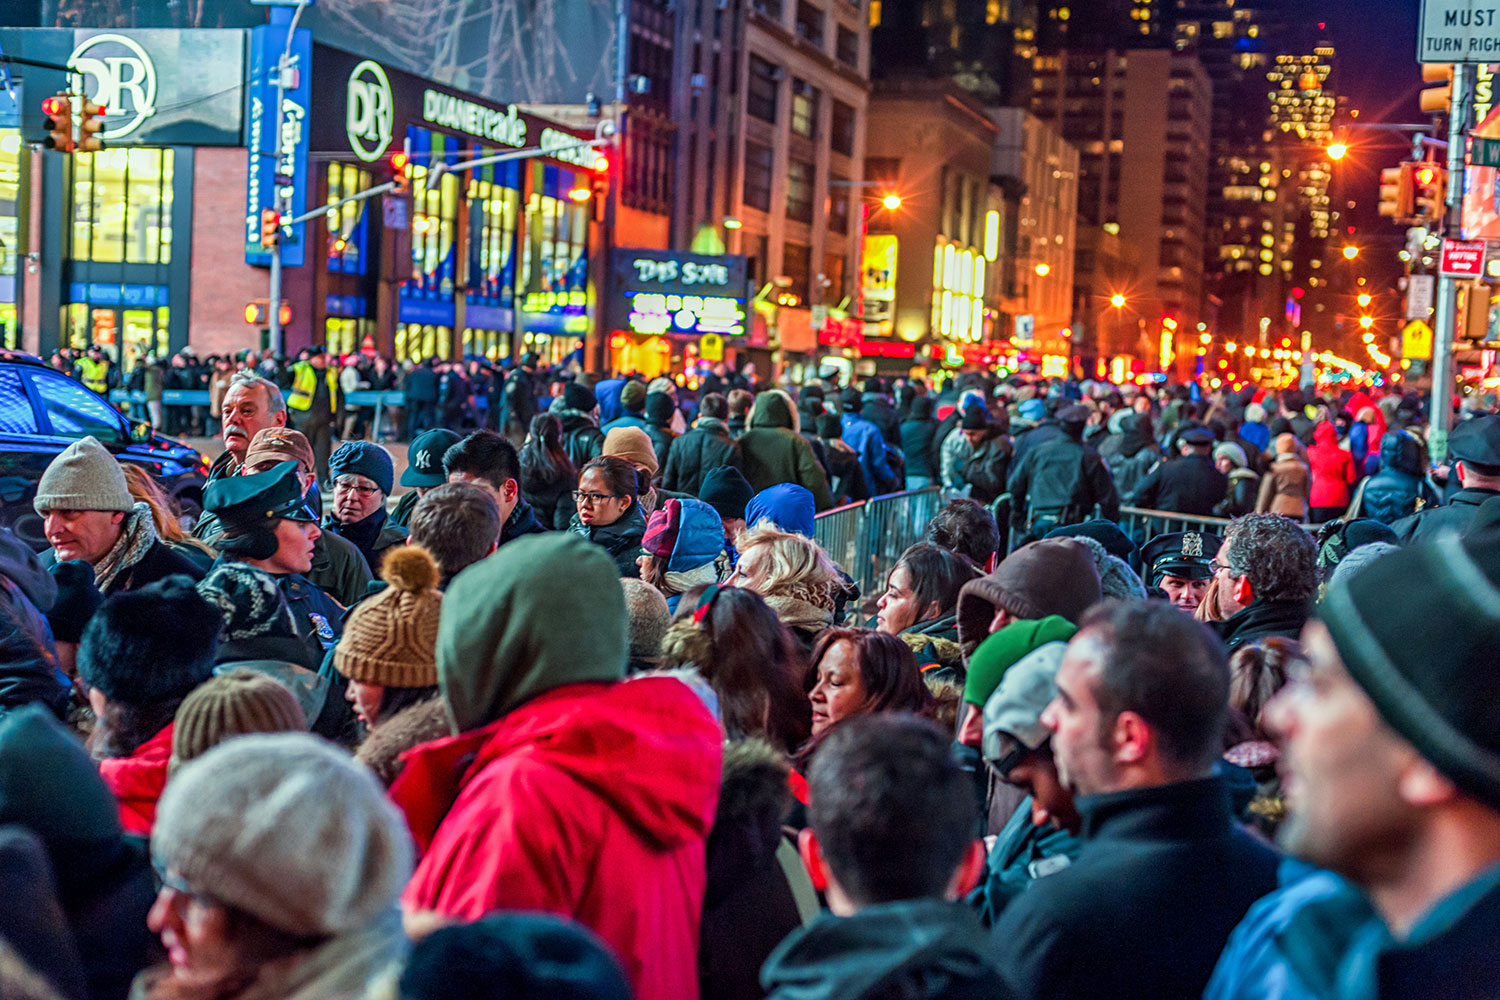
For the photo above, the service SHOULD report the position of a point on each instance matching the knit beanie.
(659, 407)
(1426, 654)
(649, 617)
(633, 396)
(1003, 649)
(287, 828)
(364, 458)
(249, 600)
(829, 426)
(151, 645)
(389, 639)
(78, 598)
(975, 418)
(633, 445)
(519, 956)
(1053, 576)
(84, 476)
(577, 396)
(238, 703)
(727, 491)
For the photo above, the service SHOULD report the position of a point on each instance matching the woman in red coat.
(1333, 475)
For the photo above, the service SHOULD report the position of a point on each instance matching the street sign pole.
(1445, 324)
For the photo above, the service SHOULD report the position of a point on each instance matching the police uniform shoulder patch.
(321, 626)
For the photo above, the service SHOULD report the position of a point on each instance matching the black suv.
(42, 411)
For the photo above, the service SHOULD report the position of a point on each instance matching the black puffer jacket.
(622, 540)
(919, 439)
(581, 437)
(1394, 491)
(703, 449)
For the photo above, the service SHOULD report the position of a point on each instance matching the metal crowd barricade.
(866, 538)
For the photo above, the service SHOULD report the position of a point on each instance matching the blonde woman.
(164, 514)
(794, 576)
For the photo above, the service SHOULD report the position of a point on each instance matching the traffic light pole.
(1446, 319)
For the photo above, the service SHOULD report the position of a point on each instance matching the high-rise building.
(1140, 120)
(984, 46)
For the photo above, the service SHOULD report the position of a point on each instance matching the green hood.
(773, 408)
(544, 611)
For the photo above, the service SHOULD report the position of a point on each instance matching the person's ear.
(280, 418)
(969, 871)
(1421, 784)
(510, 491)
(812, 858)
(118, 517)
(932, 610)
(1132, 738)
(1243, 592)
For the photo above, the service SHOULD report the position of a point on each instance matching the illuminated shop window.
(122, 206)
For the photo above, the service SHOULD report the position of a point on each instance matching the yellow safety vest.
(305, 384)
(94, 374)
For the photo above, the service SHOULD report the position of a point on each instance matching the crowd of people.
(587, 710)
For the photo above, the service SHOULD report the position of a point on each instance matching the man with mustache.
(250, 404)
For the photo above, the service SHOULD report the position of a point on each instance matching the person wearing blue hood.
(869, 444)
(788, 506)
(683, 548)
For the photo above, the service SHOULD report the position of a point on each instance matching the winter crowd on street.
(574, 704)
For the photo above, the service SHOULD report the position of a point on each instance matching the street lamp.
(1043, 270)
(1364, 299)
(1351, 251)
(1367, 321)
(891, 201)
(1117, 300)
(1338, 150)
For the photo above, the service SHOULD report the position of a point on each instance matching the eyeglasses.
(591, 498)
(353, 486)
(170, 878)
(1217, 567)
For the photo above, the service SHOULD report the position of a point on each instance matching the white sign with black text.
(1459, 31)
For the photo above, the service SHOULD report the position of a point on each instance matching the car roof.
(20, 357)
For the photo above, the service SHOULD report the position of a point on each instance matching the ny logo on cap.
(424, 460)
(1192, 544)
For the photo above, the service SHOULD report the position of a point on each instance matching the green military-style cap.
(244, 502)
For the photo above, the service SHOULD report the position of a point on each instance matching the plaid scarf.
(135, 541)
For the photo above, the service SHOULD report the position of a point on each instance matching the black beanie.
(577, 396)
(975, 418)
(77, 600)
(151, 645)
(659, 407)
(518, 956)
(851, 399)
(830, 426)
(727, 491)
(1426, 654)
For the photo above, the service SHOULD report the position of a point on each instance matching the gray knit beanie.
(84, 477)
(249, 600)
(287, 828)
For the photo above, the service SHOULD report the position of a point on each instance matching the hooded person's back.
(1392, 492)
(103, 883)
(772, 451)
(567, 790)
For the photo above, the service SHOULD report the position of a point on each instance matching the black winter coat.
(1455, 515)
(704, 448)
(581, 437)
(1164, 876)
(919, 445)
(622, 540)
(1263, 620)
(1061, 475)
(662, 442)
(1188, 484)
(159, 562)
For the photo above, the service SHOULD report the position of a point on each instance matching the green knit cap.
(1002, 649)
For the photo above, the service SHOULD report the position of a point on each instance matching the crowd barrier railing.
(867, 537)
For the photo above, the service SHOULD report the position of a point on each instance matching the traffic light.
(1398, 191)
(270, 228)
(59, 111)
(400, 173)
(1431, 186)
(1435, 100)
(258, 313)
(603, 165)
(90, 124)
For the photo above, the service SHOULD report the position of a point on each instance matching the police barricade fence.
(867, 537)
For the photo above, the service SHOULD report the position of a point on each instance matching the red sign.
(887, 349)
(1463, 259)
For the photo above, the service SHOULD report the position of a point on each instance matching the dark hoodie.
(28, 662)
(918, 444)
(772, 451)
(1394, 491)
(913, 948)
(104, 884)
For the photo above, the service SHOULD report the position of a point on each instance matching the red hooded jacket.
(591, 801)
(138, 780)
(1332, 469)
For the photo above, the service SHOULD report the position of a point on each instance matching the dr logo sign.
(120, 76)
(369, 111)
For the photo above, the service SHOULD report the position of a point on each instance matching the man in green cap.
(423, 472)
(268, 524)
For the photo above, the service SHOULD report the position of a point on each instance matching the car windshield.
(74, 411)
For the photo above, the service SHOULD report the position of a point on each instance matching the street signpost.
(1459, 31)
(1462, 259)
(1420, 290)
(1416, 341)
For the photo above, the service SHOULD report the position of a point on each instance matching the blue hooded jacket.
(607, 392)
(789, 506)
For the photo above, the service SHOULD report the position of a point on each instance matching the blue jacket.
(607, 392)
(789, 506)
(869, 444)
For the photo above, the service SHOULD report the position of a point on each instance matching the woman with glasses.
(363, 475)
(609, 512)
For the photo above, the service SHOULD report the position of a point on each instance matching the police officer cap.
(1183, 554)
(244, 502)
(1197, 436)
(1477, 441)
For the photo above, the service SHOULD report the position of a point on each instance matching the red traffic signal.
(270, 228)
(400, 173)
(59, 124)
